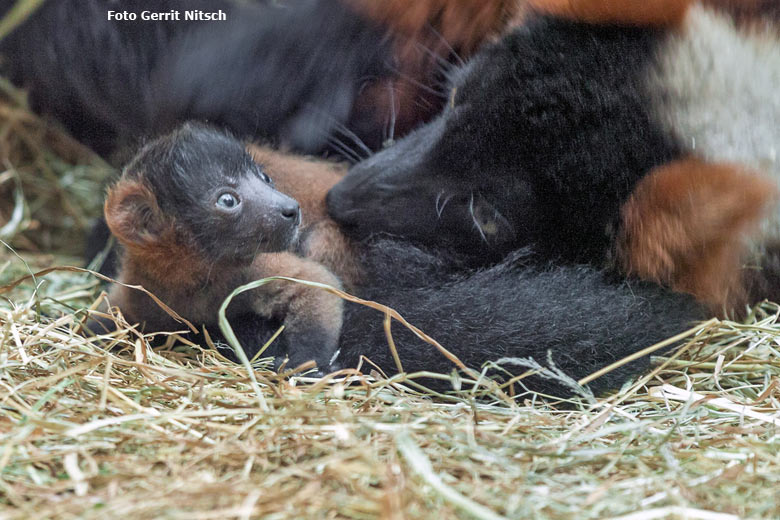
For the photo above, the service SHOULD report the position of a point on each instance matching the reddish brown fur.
(685, 226)
(632, 12)
(308, 181)
(291, 299)
(157, 256)
(425, 31)
(464, 24)
(124, 200)
(150, 243)
(750, 12)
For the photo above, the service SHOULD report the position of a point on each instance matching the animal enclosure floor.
(110, 428)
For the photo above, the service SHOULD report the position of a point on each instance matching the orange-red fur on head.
(132, 214)
(464, 24)
(629, 12)
(425, 33)
(685, 226)
(150, 239)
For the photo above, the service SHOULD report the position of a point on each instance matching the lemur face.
(544, 135)
(249, 207)
(423, 189)
(233, 209)
(456, 182)
(460, 182)
(219, 199)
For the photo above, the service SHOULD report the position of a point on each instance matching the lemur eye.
(227, 200)
(265, 178)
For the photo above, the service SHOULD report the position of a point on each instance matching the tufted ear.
(625, 12)
(687, 224)
(132, 214)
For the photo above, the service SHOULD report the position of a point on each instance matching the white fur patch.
(718, 90)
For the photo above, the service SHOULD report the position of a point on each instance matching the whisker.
(440, 209)
(390, 129)
(425, 104)
(364, 82)
(448, 72)
(346, 132)
(417, 83)
(341, 128)
(208, 274)
(474, 219)
(257, 248)
(353, 212)
(440, 61)
(353, 155)
(445, 42)
(347, 152)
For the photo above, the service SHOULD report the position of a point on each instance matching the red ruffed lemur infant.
(197, 217)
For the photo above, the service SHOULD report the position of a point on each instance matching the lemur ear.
(687, 225)
(132, 213)
(625, 12)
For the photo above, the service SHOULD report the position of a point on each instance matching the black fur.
(288, 74)
(579, 317)
(763, 280)
(188, 168)
(283, 72)
(92, 74)
(582, 317)
(546, 135)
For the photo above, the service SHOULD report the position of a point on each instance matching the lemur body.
(549, 132)
(582, 110)
(314, 76)
(197, 218)
(176, 246)
(713, 89)
(503, 311)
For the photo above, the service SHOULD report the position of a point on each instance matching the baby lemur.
(196, 218)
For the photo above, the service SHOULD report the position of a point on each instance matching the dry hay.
(110, 428)
(49, 183)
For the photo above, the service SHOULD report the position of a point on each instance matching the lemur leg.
(686, 226)
(312, 317)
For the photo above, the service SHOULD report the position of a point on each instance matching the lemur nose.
(292, 211)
